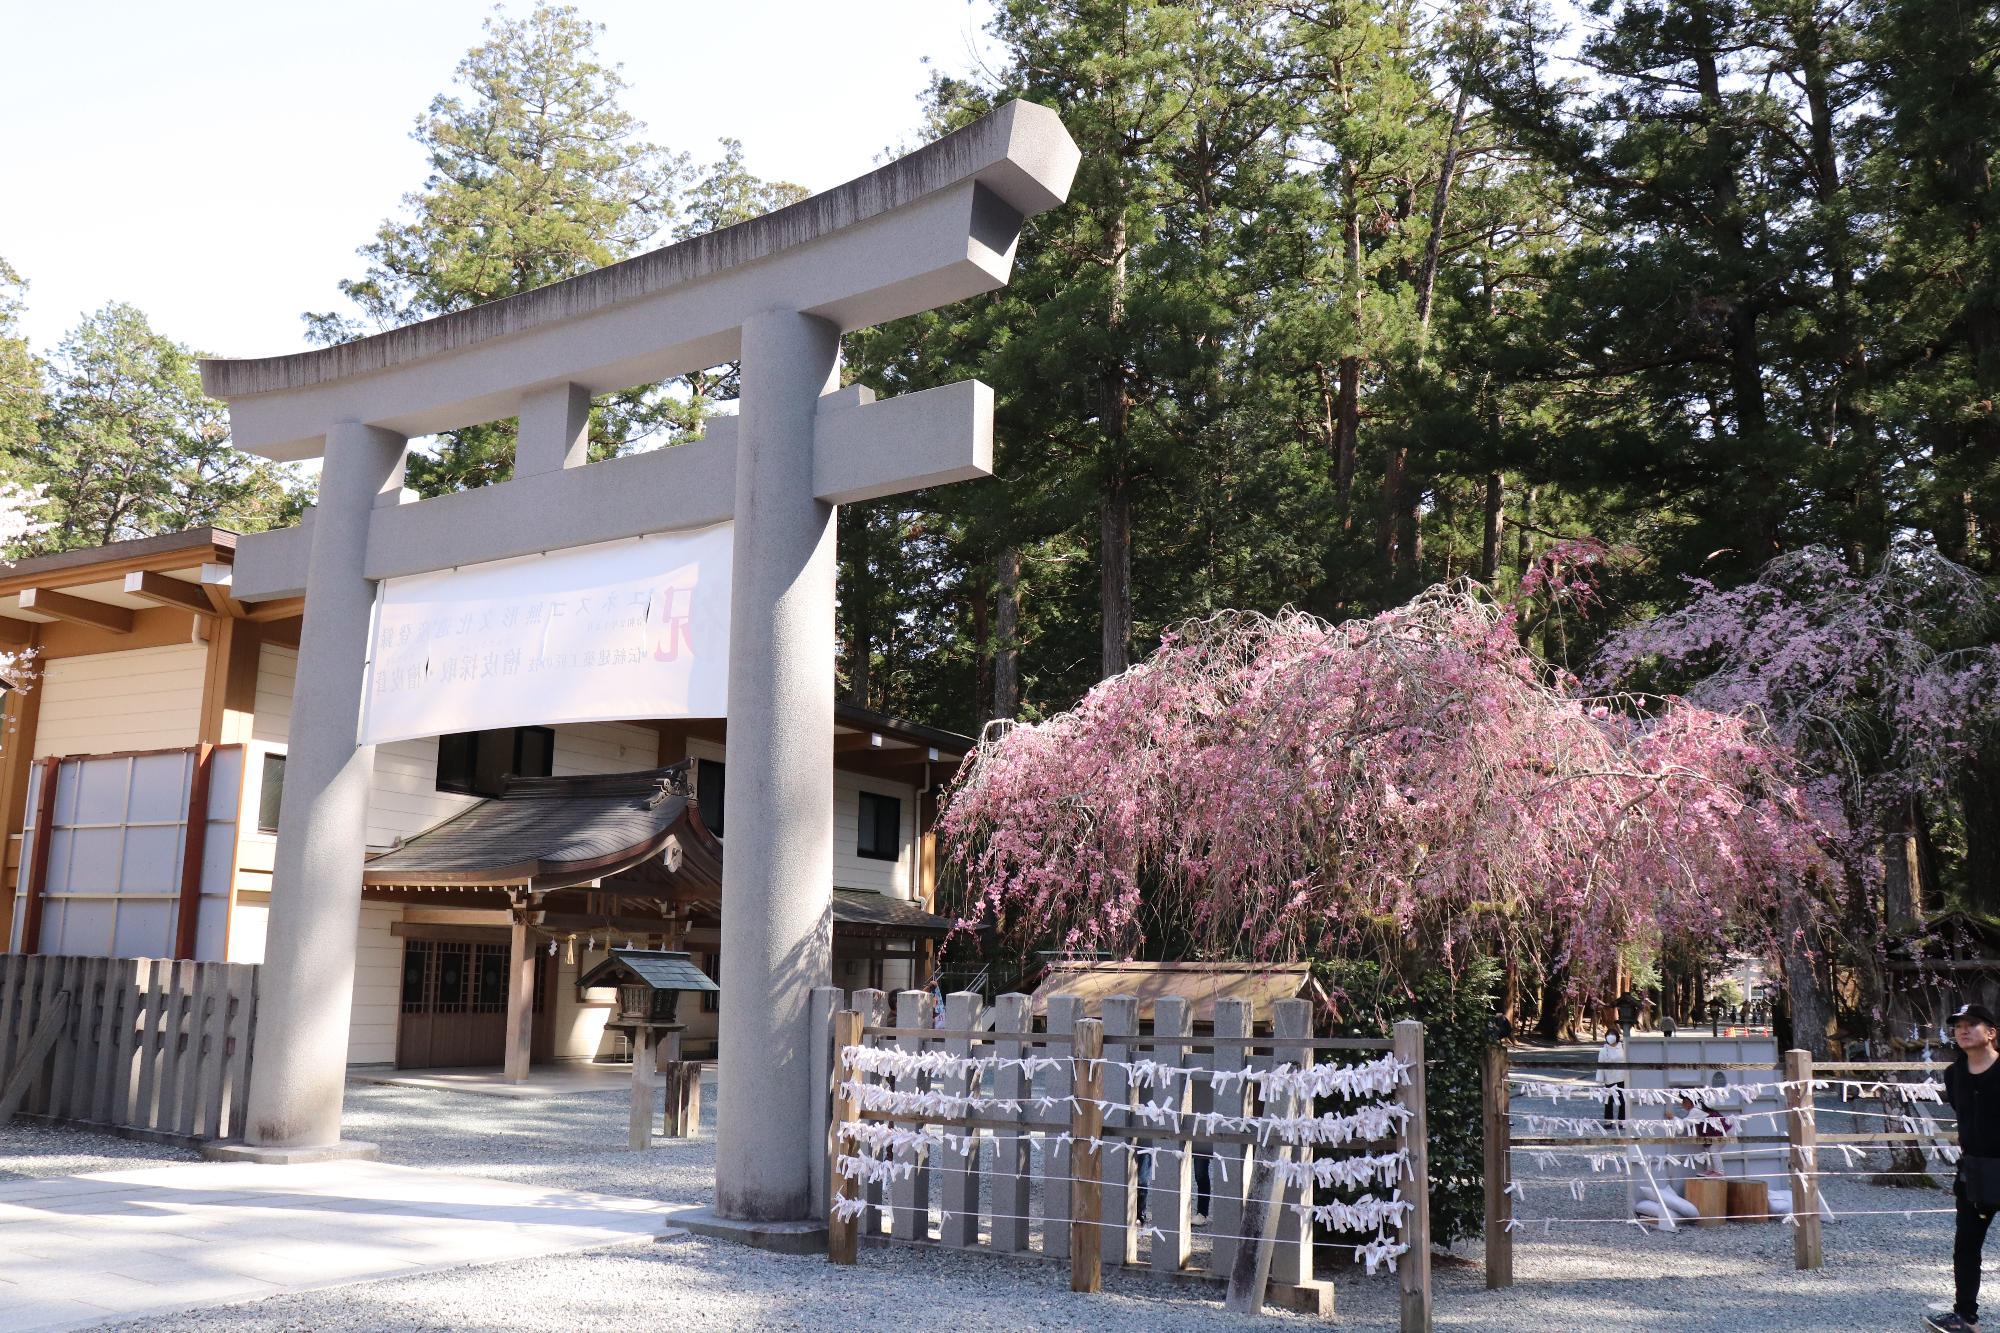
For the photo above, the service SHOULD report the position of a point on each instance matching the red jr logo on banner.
(677, 609)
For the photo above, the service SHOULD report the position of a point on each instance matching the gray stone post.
(777, 878)
(306, 988)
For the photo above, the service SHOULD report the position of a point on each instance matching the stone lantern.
(650, 983)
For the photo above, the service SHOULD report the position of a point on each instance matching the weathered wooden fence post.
(1292, 1262)
(873, 1006)
(843, 1231)
(1167, 1201)
(1264, 1202)
(1011, 1158)
(1118, 1237)
(910, 1193)
(1055, 1084)
(1414, 1268)
(1230, 1160)
(826, 1002)
(1499, 1168)
(1807, 1251)
(1086, 1156)
(959, 1179)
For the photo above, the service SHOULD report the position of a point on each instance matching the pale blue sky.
(216, 162)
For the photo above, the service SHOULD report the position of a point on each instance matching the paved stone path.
(80, 1250)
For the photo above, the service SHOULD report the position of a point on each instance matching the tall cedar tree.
(537, 174)
(130, 447)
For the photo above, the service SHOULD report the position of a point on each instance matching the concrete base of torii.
(780, 1237)
(346, 1150)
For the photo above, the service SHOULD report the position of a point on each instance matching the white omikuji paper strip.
(914, 1144)
(1365, 1124)
(1557, 1090)
(600, 633)
(1373, 1078)
(1359, 1215)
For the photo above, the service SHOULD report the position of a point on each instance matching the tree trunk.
(1744, 353)
(982, 671)
(1440, 198)
(860, 606)
(1555, 1008)
(1806, 1004)
(1006, 636)
(1349, 416)
(1979, 809)
(1489, 548)
(1114, 590)
(1902, 868)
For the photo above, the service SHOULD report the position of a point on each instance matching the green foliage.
(538, 173)
(130, 447)
(21, 404)
(1456, 1009)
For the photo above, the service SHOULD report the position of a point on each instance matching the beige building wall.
(378, 976)
(137, 699)
(851, 870)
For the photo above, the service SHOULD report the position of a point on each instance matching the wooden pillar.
(1414, 1268)
(194, 851)
(1499, 1203)
(1086, 1160)
(521, 996)
(1807, 1251)
(38, 854)
(229, 689)
(843, 1233)
(645, 1089)
(672, 746)
(17, 747)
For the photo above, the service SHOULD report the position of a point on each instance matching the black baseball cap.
(1974, 1013)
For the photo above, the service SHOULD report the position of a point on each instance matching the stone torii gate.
(777, 292)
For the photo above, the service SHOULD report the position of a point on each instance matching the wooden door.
(454, 1008)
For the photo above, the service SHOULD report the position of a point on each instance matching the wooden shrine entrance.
(453, 1012)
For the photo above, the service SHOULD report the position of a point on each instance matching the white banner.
(632, 629)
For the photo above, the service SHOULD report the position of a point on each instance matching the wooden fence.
(149, 1046)
(1792, 1133)
(1032, 1136)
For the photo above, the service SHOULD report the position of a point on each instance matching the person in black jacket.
(1972, 1086)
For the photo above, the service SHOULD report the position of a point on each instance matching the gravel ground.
(34, 1152)
(1881, 1272)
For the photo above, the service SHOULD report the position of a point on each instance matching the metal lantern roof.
(657, 969)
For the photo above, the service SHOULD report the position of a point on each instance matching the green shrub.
(1456, 1012)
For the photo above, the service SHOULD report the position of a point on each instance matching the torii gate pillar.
(936, 226)
(777, 878)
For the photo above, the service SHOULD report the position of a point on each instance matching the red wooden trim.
(193, 849)
(38, 859)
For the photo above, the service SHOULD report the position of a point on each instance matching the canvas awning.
(1201, 984)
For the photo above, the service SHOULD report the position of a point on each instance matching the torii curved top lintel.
(934, 226)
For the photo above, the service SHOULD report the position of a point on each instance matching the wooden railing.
(154, 1047)
(1058, 1144)
(1795, 1134)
